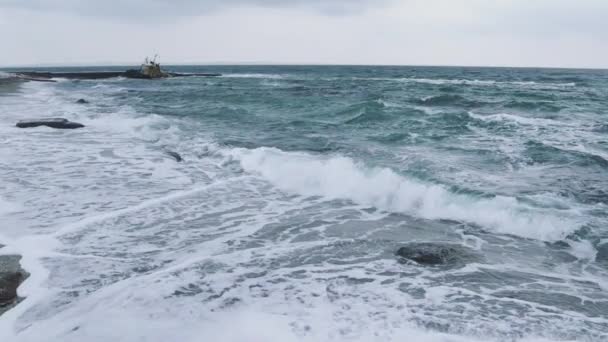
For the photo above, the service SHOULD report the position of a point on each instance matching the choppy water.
(297, 187)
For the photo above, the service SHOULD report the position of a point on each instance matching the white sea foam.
(254, 75)
(113, 203)
(5, 74)
(529, 84)
(471, 82)
(583, 250)
(505, 117)
(595, 151)
(7, 207)
(449, 81)
(121, 324)
(343, 178)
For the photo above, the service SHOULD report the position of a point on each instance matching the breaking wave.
(342, 178)
(448, 100)
(528, 84)
(504, 117)
(263, 76)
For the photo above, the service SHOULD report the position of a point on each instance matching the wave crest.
(342, 178)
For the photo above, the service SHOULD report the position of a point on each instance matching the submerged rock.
(435, 254)
(82, 101)
(175, 155)
(11, 276)
(60, 123)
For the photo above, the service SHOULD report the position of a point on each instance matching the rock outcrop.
(175, 155)
(437, 254)
(11, 276)
(59, 123)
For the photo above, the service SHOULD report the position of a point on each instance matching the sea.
(297, 188)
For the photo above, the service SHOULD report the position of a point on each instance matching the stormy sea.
(309, 203)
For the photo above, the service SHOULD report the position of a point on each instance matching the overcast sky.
(552, 33)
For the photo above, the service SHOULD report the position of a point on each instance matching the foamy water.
(282, 222)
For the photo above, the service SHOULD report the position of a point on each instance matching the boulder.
(175, 155)
(437, 254)
(60, 123)
(82, 101)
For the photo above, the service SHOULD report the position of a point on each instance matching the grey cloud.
(551, 18)
(160, 8)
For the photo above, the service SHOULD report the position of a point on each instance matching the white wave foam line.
(514, 118)
(152, 202)
(266, 76)
(448, 81)
(342, 178)
(440, 81)
(126, 121)
(6, 75)
(587, 150)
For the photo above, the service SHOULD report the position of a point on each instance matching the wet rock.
(59, 123)
(11, 276)
(436, 254)
(82, 101)
(175, 155)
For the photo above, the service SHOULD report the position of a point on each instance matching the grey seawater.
(297, 188)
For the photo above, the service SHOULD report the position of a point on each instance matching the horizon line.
(253, 63)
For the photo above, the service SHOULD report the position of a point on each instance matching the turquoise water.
(298, 185)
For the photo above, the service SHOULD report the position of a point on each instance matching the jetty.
(150, 69)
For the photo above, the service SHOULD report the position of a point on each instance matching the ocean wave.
(548, 153)
(9, 79)
(391, 138)
(369, 111)
(342, 178)
(546, 106)
(6, 74)
(439, 81)
(504, 117)
(10, 85)
(471, 82)
(531, 84)
(263, 76)
(448, 100)
(600, 128)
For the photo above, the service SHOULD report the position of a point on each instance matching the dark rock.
(71, 75)
(8, 287)
(11, 276)
(82, 101)
(435, 254)
(50, 122)
(175, 155)
(135, 73)
(94, 75)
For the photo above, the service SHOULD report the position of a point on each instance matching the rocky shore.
(11, 276)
